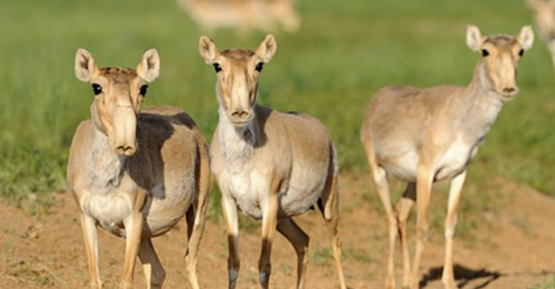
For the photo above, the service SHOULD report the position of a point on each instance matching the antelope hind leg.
(379, 175)
(329, 207)
(403, 210)
(299, 239)
(152, 268)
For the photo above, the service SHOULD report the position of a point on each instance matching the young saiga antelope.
(426, 135)
(136, 172)
(270, 165)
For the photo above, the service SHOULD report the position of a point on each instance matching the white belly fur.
(251, 191)
(453, 161)
(110, 210)
(449, 164)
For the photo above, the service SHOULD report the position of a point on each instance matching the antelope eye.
(259, 66)
(521, 52)
(217, 67)
(485, 53)
(97, 89)
(143, 90)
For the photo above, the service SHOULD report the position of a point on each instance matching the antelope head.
(237, 72)
(118, 94)
(501, 56)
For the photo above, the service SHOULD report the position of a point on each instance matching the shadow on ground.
(463, 275)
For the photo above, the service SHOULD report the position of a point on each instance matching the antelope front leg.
(269, 227)
(90, 235)
(423, 192)
(455, 189)
(229, 208)
(133, 227)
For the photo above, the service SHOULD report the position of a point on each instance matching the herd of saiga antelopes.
(137, 172)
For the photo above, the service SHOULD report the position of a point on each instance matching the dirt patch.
(512, 247)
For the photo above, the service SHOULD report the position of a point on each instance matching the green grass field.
(342, 54)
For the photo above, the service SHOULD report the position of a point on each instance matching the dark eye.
(97, 89)
(259, 66)
(217, 67)
(521, 52)
(143, 90)
(485, 53)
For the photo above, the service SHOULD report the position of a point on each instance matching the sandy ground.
(512, 246)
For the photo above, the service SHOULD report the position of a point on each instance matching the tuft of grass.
(319, 255)
(548, 284)
(355, 253)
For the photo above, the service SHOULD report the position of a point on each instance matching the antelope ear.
(207, 49)
(149, 67)
(474, 38)
(85, 66)
(267, 48)
(526, 37)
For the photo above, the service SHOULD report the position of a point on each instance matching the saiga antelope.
(426, 135)
(544, 14)
(244, 15)
(135, 172)
(270, 165)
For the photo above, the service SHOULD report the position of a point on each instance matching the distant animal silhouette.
(544, 15)
(243, 15)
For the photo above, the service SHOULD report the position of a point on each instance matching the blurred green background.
(342, 54)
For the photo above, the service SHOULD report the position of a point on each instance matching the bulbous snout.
(508, 88)
(237, 96)
(122, 138)
(240, 104)
(506, 84)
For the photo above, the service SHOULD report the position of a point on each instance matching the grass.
(549, 284)
(343, 53)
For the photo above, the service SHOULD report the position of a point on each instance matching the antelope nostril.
(240, 113)
(125, 150)
(508, 89)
